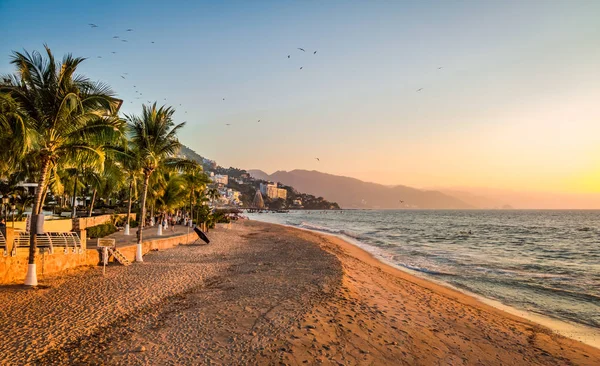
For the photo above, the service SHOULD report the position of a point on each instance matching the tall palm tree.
(131, 168)
(213, 194)
(197, 181)
(15, 138)
(69, 117)
(174, 194)
(154, 142)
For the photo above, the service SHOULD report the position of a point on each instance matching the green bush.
(100, 231)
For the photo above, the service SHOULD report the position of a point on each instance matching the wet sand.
(265, 294)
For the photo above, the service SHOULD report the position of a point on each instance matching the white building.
(220, 179)
(272, 191)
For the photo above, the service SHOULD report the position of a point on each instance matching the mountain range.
(354, 193)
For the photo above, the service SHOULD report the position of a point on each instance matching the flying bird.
(99, 56)
(300, 67)
(129, 30)
(439, 68)
(113, 52)
(93, 25)
(123, 76)
(401, 202)
(152, 42)
(259, 120)
(223, 98)
(419, 89)
(115, 37)
(314, 53)
(227, 124)
(318, 159)
(123, 40)
(288, 56)
(301, 49)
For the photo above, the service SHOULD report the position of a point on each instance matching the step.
(119, 256)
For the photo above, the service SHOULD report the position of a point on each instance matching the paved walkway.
(150, 233)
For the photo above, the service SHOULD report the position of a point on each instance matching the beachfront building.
(272, 191)
(220, 178)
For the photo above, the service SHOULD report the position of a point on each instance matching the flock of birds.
(140, 94)
(125, 75)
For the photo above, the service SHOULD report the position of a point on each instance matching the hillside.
(354, 193)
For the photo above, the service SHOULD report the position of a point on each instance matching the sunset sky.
(516, 105)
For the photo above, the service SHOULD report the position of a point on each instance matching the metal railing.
(3, 244)
(69, 241)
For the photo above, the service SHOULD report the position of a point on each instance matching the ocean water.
(541, 261)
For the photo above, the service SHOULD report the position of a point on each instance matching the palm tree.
(197, 181)
(14, 134)
(153, 141)
(132, 168)
(174, 193)
(69, 118)
(213, 194)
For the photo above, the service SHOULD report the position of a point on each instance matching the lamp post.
(5, 201)
(13, 207)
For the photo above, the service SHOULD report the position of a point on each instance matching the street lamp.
(13, 207)
(5, 201)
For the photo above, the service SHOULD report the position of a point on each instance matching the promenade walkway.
(150, 233)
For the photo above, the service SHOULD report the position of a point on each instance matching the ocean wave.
(309, 226)
(425, 270)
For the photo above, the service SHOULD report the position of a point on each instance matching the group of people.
(168, 220)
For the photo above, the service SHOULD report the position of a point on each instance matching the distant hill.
(354, 193)
(474, 200)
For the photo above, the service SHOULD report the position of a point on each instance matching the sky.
(509, 91)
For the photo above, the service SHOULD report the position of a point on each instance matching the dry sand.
(265, 294)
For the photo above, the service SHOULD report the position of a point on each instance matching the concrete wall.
(62, 225)
(81, 223)
(157, 244)
(14, 269)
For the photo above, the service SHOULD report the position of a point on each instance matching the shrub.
(100, 231)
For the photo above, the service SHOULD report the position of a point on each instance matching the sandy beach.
(265, 294)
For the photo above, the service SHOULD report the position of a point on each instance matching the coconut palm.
(174, 194)
(197, 181)
(14, 134)
(154, 142)
(213, 194)
(131, 168)
(69, 118)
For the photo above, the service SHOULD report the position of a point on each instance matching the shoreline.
(263, 293)
(577, 332)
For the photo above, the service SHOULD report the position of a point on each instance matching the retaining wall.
(14, 269)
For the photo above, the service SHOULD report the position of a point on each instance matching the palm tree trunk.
(92, 203)
(138, 255)
(31, 278)
(74, 208)
(191, 215)
(129, 207)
